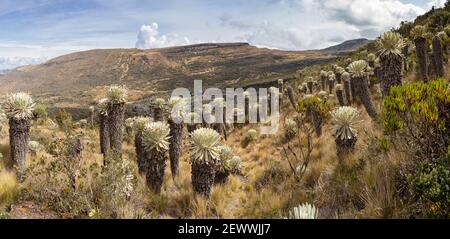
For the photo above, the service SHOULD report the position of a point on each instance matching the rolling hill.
(76, 79)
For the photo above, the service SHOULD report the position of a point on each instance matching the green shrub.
(321, 107)
(250, 137)
(64, 119)
(75, 188)
(4, 215)
(431, 183)
(417, 117)
(419, 113)
(40, 111)
(384, 144)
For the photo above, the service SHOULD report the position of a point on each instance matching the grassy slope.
(267, 189)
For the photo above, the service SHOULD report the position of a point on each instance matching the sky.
(32, 31)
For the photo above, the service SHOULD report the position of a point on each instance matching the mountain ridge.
(76, 79)
(348, 46)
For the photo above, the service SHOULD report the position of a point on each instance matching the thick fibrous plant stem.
(247, 109)
(330, 85)
(310, 86)
(114, 108)
(205, 158)
(392, 65)
(158, 114)
(221, 177)
(360, 82)
(92, 116)
(116, 114)
(347, 92)
(19, 109)
(345, 146)
(155, 137)
(194, 122)
(352, 89)
(292, 97)
(362, 91)
(281, 90)
(338, 75)
(405, 53)
(140, 152)
(138, 125)
(323, 81)
(104, 134)
(431, 66)
(340, 94)
(221, 129)
(317, 121)
(155, 165)
(378, 72)
(421, 52)
(175, 147)
(438, 56)
(391, 59)
(280, 85)
(203, 178)
(19, 134)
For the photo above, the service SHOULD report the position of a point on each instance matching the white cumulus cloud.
(308, 24)
(436, 3)
(375, 14)
(149, 37)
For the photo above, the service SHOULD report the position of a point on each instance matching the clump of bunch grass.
(250, 137)
(9, 188)
(290, 129)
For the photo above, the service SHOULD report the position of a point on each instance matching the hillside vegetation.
(75, 80)
(366, 136)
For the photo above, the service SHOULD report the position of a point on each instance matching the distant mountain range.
(76, 79)
(4, 72)
(347, 46)
(7, 64)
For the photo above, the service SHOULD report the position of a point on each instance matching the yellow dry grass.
(358, 187)
(9, 188)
